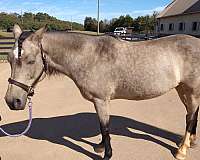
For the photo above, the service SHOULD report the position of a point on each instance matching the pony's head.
(27, 66)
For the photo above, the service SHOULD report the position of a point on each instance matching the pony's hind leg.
(102, 107)
(191, 100)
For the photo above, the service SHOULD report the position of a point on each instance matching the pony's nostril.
(17, 103)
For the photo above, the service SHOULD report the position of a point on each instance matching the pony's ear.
(17, 31)
(38, 35)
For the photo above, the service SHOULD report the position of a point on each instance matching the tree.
(122, 21)
(7, 21)
(35, 21)
(90, 24)
(141, 24)
(28, 16)
(42, 17)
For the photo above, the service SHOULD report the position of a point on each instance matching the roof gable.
(194, 8)
(179, 7)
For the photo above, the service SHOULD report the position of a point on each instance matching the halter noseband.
(27, 88)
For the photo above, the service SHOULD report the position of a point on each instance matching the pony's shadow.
(85, 125)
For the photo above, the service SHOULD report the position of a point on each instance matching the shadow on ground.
(85, 125)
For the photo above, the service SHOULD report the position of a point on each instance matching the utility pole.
(22, 17)
(71, 24)
(98, 25)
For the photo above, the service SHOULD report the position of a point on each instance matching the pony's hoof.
(193, 145)
(99, 148)
(180, 156)
(193, 141)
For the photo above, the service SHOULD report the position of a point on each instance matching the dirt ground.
(65, 125)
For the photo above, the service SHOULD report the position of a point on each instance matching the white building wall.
(187, 19)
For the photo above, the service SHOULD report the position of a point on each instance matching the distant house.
(180, 17)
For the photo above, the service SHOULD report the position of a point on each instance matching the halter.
(27, 88)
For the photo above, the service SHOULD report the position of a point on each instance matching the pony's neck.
(62, 52)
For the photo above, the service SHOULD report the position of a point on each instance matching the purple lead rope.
(27, 128)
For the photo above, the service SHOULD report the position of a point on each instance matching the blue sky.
(79, 9)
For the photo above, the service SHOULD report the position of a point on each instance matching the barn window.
(194, 26)
(199, 26)
(181, 26)
(171, 26)
(162, 27)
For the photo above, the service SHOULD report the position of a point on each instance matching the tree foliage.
(90, 24)
(141, 24)
(30, 21)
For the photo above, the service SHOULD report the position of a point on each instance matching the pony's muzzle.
(15, 103)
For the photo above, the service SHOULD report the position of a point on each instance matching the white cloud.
(150, 11)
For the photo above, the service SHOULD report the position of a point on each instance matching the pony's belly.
(146, 82)
(143, 92)
(138, 96)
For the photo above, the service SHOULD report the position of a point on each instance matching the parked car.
(120, 31)
(123, 30)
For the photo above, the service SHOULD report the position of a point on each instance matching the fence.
(133, 36)
(6, 44)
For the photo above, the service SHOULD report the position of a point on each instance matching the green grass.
(3, 57)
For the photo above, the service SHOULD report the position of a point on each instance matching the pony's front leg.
(190, 136)
(102, 107)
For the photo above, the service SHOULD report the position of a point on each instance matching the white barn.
(180, 17)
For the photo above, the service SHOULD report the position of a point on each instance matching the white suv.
(120, 30)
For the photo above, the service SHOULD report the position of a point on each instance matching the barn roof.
(178, 7)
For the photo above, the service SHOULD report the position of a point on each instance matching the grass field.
(3, 58)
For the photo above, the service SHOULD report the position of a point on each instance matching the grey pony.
(105, 68)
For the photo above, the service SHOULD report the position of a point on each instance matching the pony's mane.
(24, 35)
(86, 34)
(102, 35)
